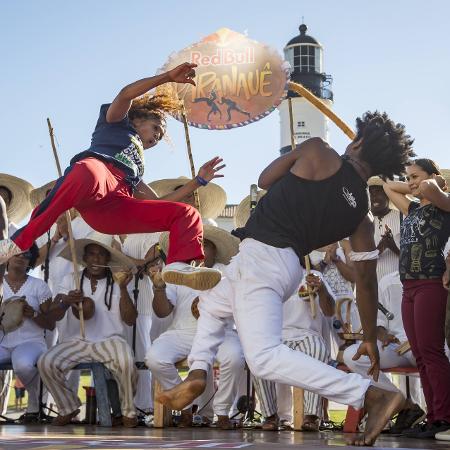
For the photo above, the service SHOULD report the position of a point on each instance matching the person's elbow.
(263, 182)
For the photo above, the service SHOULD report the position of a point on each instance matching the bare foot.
(380, 406)
(184, 393)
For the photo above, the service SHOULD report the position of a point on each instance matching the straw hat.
(117, 261)
(20, 190)
(243, 210)
(227, 245)
(212, 197)
(446, 174)
(377, 181)
(38, 195)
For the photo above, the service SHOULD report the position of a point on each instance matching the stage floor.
(84, 437)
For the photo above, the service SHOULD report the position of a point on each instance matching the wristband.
(201, 180)
(155, 288)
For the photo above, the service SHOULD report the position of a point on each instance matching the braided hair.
(385, 146)
(109, 286)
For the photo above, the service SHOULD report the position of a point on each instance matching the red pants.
(423, 313)
(98, 191)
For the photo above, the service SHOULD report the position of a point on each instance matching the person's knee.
(155, 360)
(233, 361)
(430, 351)
(261, 363)
(125, 359)
(46, 364)
(190, 211)
(24, 366)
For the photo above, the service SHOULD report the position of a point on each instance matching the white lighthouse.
(305, 55)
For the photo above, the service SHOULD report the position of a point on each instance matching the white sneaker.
(443, 436)
(198, 278)
(8, 249)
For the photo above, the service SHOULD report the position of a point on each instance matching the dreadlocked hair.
(157, 106)
(385, 146)
(109, 286)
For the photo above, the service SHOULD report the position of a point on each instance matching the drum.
(11, 314)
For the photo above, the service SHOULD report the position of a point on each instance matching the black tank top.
(306, 215)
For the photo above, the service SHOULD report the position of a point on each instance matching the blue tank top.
(119, 144)
(306, 215)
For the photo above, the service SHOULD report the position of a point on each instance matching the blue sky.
(64, 59)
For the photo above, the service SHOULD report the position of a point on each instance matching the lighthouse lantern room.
(305, 56)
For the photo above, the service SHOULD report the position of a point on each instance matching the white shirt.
(297, 319)
(390, 291)
(103, 325)
(136, 246)
(387, 261)
(60, 267)
(36, 292)
(181, 297)
(12, 228)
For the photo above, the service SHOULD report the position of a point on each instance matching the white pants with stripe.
(388, 358)
(174, 345)
(143, 398)
(257, 282)
(115, 354)
(23, 359)
(278, 398)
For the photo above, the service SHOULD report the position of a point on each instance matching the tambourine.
(11, 314)
(403, 348)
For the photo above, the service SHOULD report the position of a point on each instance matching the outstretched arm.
(122, 103)
(397, 191)
(362, 241)
(209, 171)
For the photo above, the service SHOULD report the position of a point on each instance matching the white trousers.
(143, 399)
(277, 398)
(5, 383)
(388, 358)
(257, 281)
(23, 359)
(175, 345)
(230, 358)
(114, 354)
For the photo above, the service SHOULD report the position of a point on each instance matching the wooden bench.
(354, 416)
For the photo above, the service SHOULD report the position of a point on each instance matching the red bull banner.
(238, 80)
